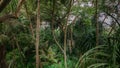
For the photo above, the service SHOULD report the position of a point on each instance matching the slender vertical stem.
(56, 41)
(65, 34)
(38, 35)
(97, 25)
(28, 16)
(65, 44)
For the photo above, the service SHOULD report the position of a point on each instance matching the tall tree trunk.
(38, 62)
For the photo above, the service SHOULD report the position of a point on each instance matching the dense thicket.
(59, 33)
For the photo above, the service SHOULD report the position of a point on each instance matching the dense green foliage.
(18, 36)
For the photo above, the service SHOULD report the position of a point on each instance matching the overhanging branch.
(113, 18)
(6, 17)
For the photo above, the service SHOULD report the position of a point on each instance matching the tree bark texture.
(2, 57)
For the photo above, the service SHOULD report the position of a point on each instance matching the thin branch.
(71, 33)
(20, 3)
(67, 13)
(58, 44)
(19, 48)
(113, 26)
(104, 19)
(6, 17)
(28, 16)
(114, 18)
